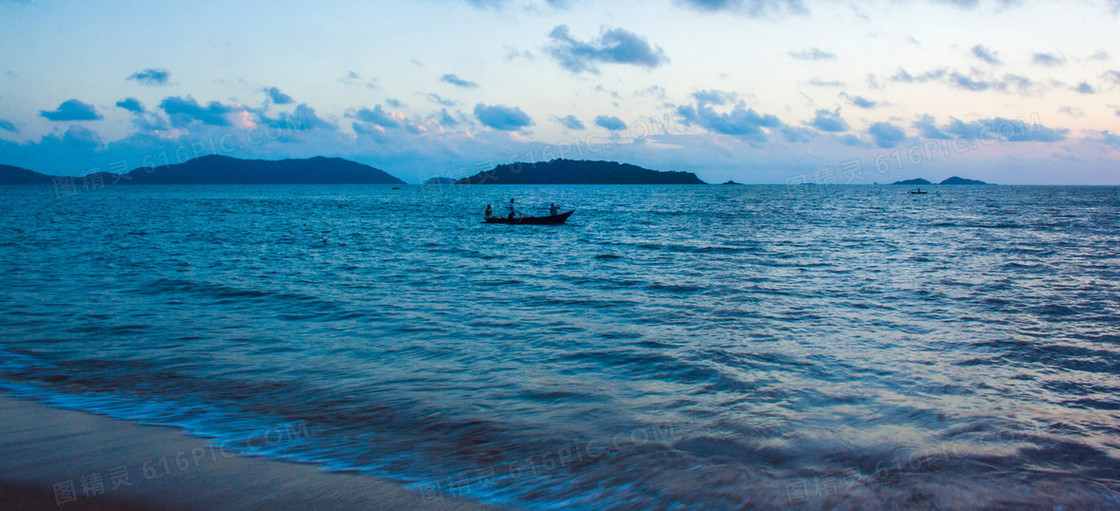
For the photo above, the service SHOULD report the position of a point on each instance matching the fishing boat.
(918, 192)
(531, 220)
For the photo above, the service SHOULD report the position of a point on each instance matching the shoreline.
(53, 458)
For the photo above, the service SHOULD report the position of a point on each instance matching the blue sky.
(759, 91)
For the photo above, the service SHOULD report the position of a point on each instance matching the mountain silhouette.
(10, 175)
(578, 172)
(223, 170)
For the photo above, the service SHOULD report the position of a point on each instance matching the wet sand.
(62, 459)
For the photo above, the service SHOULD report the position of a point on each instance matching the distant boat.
(918, 192)
(531, 220)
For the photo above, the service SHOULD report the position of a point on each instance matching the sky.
(756, 91)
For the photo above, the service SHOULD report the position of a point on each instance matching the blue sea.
(676, 347)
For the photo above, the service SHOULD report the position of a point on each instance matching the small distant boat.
(918, 192)
(531, 220)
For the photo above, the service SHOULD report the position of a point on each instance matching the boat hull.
(531, 220)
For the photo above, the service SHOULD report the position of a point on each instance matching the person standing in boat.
(553, 209)
(511, 210)
(489, 211)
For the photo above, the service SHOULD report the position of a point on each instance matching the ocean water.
(681, 347)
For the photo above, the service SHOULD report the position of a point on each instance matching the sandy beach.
(62, 459)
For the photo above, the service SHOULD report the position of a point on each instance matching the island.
(214, 170)
(918, 181)
(962, 181)
(224, 170)
(10, 175)
(579, 172)
(955, 180)
(732, 182)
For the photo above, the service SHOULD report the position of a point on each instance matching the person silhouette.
(489, 211)
(553, 209)
(511, 210)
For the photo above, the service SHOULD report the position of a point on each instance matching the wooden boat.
(531, 220)
(918, 192)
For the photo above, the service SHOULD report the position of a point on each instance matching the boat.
(531, 220)
(918, 192)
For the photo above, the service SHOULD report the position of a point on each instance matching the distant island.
(951, 181)
(963, 181)
(578, 172)
(223, 170)
(732, 182)
(10, 175)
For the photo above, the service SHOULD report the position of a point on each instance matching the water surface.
(680, 347)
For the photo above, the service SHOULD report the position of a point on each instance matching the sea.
(669, 347)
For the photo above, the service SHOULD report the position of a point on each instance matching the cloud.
(996, 128)
(1110, 139)
(501, 117)
(570, 122)
(151, 76)
(1069, 110)
(966, 4)
(436, 98)
(860, 101)
(982, 53)
(184, 111)
(830, 122)
(927, 128)
(445, 119)
(379, 117)
(8, 126)
(614, 46)
(886, 135)
(820, 82)
(72, 110)
(1085, 88)
(750, 8)
(80, 137)
(905, 77)
(812, 54)
(303, 118)
(795, 134)
(1047, 59)
(278, 97)
(976, 81)
(458, 82)
(353, 78)
(715, 97)
(132, 105)
(1023, 84)
(1112, 76)
(610, 122)
(968, 83)
(532, 6)
(740, 121)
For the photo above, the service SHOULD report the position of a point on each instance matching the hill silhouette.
(950, 181)
(916, 181)
(223, 170)
(10, 175)
(962, 181)
(578, 172)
